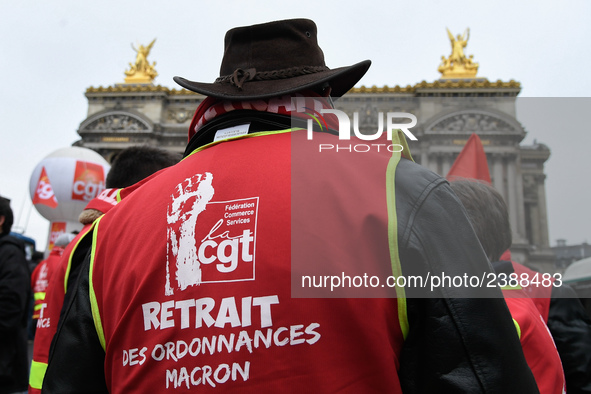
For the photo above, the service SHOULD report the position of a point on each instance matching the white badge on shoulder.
(234, 131)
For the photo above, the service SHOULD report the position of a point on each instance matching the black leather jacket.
(455, 343)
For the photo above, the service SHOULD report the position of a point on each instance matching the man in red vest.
(42, 273)
(265, 262)
(566, 319)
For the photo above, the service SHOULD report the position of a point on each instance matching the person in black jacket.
(15, 293)
(571, 329)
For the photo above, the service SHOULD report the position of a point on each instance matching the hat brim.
(341, 80)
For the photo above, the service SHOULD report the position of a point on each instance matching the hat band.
(239, 76)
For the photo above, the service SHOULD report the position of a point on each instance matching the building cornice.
(441, 84)
(128, 89)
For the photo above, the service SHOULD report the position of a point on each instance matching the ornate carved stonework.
(530, 188)
(116, 123)
(447, 112)
(473, 122)
(179, 115)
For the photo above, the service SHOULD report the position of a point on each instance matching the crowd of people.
(185, 275)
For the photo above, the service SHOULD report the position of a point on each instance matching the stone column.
(425, 157)
(433, 159)
(446, 163)
(520, 200)
(542, 211)
(512, 197)
(497, 174)
(534, 216)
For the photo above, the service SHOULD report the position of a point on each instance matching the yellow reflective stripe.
(96, 317)
(402, 141)
(37, 374)
(512, 288)
(517, 328)
(257, 134)
(37, 307)
(393, 229)
(118, 195)
(39, 296)
(69, 266)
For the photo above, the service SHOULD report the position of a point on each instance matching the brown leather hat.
(273, 59)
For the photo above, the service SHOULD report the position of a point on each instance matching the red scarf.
(307, 103)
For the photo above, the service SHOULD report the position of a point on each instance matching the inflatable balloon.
(63, 183)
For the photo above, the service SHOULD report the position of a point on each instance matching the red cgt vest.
(537, 343)
(192, 277)
(51, 305)
(40, 279)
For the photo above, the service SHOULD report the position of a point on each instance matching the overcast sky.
(51, 52)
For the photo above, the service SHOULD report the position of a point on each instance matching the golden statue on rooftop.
(142, 71)
(457, 65)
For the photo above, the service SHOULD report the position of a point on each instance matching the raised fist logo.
(188, 201)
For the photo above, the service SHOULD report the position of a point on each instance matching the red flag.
(506, 256)
(471, 162)
(44, 192)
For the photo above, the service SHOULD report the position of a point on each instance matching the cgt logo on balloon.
(44, 192)
(89, 181)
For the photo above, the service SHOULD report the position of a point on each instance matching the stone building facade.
(448, 112)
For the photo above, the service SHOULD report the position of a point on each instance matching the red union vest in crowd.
(540, 291)
(204, 301)
(537, 343)
(539, 287)
(53, 299)
(40, 279)
(50, 313)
